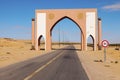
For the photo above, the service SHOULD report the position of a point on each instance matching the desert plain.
(13, 51)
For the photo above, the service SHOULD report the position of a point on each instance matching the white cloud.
(113, 7)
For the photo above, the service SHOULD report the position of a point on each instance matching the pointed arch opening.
(66, 32)
(41, 43)
(90, 43)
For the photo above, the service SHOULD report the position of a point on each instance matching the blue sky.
(15, 16)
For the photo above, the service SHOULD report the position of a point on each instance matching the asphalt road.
(62, 64)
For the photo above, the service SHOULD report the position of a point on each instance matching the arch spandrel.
(77, 17)
(58, 20)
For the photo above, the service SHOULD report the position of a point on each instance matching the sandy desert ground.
(13, 51)
(96, 68)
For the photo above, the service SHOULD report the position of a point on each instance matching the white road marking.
(42, 67)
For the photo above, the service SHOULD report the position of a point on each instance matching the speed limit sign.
(105, 43)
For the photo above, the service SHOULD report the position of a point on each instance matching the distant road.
(58, 65)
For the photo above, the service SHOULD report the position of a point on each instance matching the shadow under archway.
(41, 43)
(90, 43)
(66, 49)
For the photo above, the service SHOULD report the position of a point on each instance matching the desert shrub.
(1, 46)
(21, 47)
(8, 53)
(111, 61)
(32, 48)
(117, 49)
(116, 61)
(101, 60)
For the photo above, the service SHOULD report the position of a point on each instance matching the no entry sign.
(105, 43)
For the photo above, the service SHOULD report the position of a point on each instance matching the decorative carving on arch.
(51, 16)
(80, 16)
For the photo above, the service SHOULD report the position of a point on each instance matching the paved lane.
(65, 67)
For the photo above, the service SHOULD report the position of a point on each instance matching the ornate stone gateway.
(86, 19)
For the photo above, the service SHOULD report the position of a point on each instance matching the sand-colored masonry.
(78, 16)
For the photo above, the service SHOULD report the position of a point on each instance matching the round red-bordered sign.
(105, 43)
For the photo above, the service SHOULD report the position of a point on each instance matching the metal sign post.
(104, 54)
(105, 44)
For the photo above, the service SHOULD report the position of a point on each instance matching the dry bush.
(8, 53)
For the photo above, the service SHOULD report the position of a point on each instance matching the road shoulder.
(98, 70)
